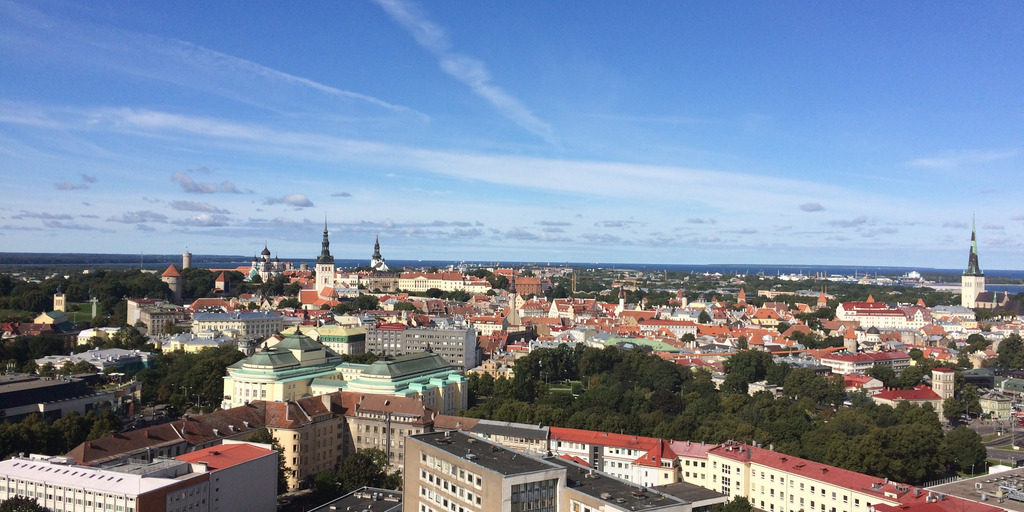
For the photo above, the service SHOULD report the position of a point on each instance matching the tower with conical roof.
(172, 277)
(324, 265)
(972, 282)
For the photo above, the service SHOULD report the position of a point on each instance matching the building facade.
(457, 346)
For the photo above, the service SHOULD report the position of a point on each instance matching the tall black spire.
(376, 249)
(973, 268)
(325, 251)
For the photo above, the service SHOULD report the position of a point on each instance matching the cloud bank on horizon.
(540, 132)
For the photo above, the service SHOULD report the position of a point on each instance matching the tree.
(1011, 352)
(365, 303)
(704, 318)
(366, 468)
(21, 504)
(885, 374)
(738, 504)
(963, 448)
(265, 437)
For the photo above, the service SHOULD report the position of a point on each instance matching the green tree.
(365, 303)
(21, 504)
(1011, 352)
(885, 374)
(737, 504)
(265, 437)
(366, 468)
(704, 318)
(963, 448)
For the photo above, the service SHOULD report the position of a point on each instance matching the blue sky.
(658, 132)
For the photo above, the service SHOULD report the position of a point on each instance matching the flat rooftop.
(482, 453)
(990, 484)
(691, 493)
(365, 498)
(612, 490)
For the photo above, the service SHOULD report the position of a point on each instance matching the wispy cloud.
(468, 70)
(812, 207)
(138, 217)
(88, 179)
(197, 206)
(297, 200)
(192, 187)
(41, 215)
(341, 194)
(67, 185)
(849, 223)
(207, 220)
(955, 224)
(615, 223)
(185, 64)
(699, 220)
(957, 159)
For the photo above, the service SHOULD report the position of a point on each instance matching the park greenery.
(641, 394)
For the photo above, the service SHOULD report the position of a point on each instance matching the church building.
(972, 283)
(377, 263)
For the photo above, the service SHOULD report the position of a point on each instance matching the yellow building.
(282, 372)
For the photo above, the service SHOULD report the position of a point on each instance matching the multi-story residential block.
(872, 314)
(59, 485)
(860, 363)
(678, 328)
(385, 422)
(312, 432)
(453, 471)
(245, 326)
(457, 346)
(158, 319)
(243, 476)
(343, 340)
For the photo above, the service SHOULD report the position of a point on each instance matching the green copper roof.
(270, 358)
(297, 341)
(408, 365)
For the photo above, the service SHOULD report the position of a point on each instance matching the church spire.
(325, 251)
(973, 268)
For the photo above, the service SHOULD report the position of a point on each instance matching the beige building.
(244, 326)
(453, 471)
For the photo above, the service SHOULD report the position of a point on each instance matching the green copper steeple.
(973, 269)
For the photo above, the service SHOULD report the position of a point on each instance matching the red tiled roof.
(602, 438)
(919, 393)
(225, 455)
(171, 272)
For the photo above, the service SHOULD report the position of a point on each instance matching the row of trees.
(636, 393)
(36, 435)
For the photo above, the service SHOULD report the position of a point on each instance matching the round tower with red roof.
(172, 277)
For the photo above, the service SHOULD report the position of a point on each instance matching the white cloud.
(468, 70)
(812, 207)
(138, 217)
(297, 200)
(190, 186)
(957, 159)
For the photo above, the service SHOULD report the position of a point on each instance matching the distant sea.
(160, 261)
